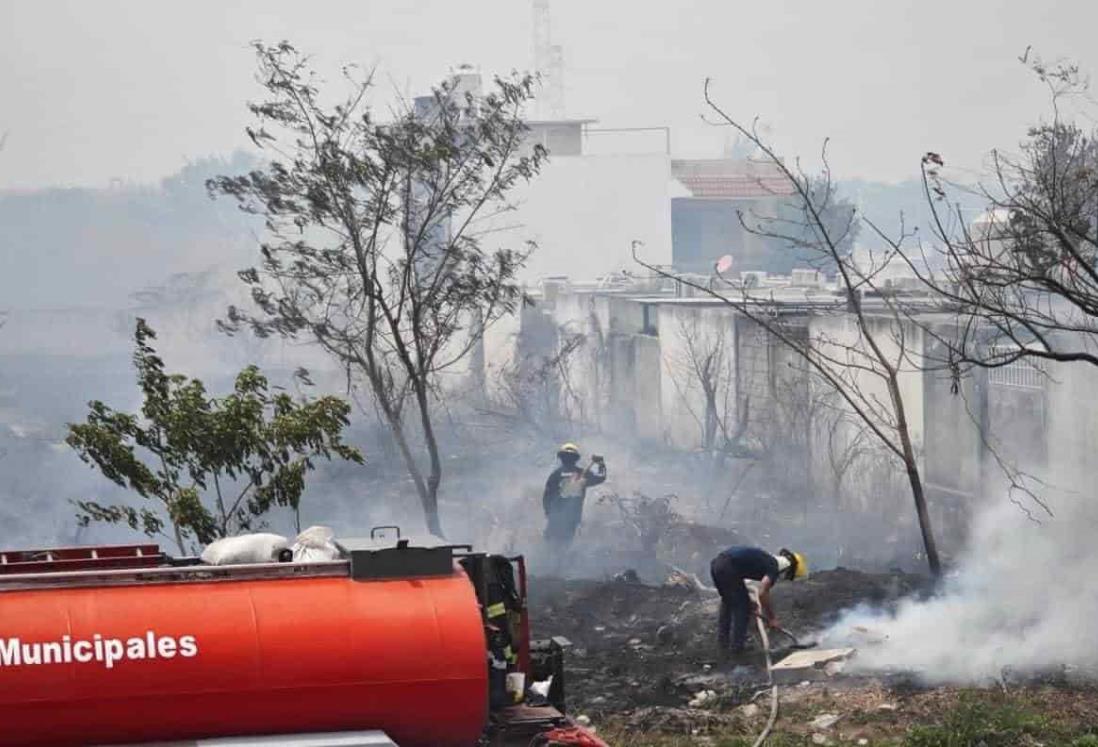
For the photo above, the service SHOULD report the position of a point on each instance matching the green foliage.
(214, 466)
(978, 724)
(377, 244)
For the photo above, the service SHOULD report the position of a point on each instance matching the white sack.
(246, 548)
(315, 544)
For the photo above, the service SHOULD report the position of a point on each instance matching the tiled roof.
(735, 187)
(731, 179)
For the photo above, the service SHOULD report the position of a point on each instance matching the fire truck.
(396, 643)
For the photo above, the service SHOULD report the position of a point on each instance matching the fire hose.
(769, 675)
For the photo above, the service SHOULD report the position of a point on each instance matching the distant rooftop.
(730, 178)
(562, 122)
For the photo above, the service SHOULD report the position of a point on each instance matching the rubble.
(679, 720)
(815, 664)
(824, 721)
(685, 580)
(703, 698)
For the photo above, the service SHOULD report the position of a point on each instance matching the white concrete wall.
(1072, 424)
(647, 389)
(500, 340)
(874, 483)
(682, 399)
(643, 382)
(584, 212)
(586, 314)
(614, 383)
(838, 335)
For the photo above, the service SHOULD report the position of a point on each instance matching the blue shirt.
(753, 563)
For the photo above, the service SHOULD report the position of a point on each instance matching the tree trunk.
(434, 477)
(924, 520)
(710, 435)
(427, 490)
(913, 477)
(179, 538)
(429, 504)
(477, 363)
(430, 515)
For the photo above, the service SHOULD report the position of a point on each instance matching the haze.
(127, 90)
(623, 350)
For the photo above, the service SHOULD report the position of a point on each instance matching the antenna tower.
(549, 63)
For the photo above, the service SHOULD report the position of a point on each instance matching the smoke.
(1022, 601)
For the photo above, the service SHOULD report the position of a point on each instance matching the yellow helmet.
(568, 448)
(798, 564)
(801, 566)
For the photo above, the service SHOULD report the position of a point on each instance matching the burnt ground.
(637, 645)
(641, 652)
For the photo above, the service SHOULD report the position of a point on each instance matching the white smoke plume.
(1023, 600)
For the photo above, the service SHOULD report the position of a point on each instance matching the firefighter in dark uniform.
(731, 570)
(564, 493)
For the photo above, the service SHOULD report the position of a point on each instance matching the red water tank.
(192, 659)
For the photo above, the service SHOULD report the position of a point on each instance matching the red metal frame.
(61, 559)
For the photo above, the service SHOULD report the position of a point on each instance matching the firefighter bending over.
(731, 569)
(564, 493)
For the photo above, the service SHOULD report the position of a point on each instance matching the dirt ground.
(642, 653)
(638, 645)
(871, 713)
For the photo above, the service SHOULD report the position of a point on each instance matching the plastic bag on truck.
(245, 548)
(316, 544)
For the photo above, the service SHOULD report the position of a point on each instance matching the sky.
(97, 90)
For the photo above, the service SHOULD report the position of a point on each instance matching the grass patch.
(976, 722)
(944, 718)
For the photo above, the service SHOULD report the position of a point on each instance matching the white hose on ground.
(769, 675)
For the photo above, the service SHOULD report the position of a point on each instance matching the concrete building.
(561, 137)
(584, 210)
(593, 199)
(706, 223)
(661, 366)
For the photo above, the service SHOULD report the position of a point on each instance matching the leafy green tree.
(213, 466)
(377, 245)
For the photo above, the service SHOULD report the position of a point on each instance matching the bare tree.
(848, 442)
(705, 367)
(863, 368)
(376, 235)
(533, 390)
(650, 519)
(1022, 281)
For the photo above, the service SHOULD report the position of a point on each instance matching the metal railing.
(174, 574)
(1020, 374)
